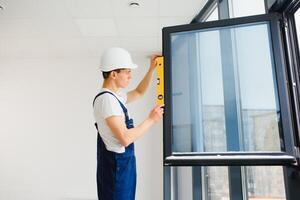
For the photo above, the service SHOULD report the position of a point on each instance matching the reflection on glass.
(200, 109)
(261, 183)
(256, 88)
(241, 8)
(297, 21)
(216, 183)
(182, 183)
(265, 183)
(213, 182)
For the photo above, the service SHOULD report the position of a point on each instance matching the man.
(116, 164)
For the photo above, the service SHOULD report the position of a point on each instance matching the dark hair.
(106, 74)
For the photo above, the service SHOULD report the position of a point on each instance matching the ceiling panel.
(137, 27)
(97, 27)
(140, 44)
(56, 28)
(88, 9)
(17, 28)
(38, 28)
(69, 47)
(33, 9)
(24, 47)
(97, 45)
(180, 7)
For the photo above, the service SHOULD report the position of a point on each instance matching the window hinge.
(297, 155)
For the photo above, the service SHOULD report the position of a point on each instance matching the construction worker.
(116, 164)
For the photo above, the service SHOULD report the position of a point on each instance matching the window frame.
(292, 50)
(291, 173)
(231, 158)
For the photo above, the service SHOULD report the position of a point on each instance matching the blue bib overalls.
(116, 172)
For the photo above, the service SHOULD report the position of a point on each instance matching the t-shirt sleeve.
(110, 107)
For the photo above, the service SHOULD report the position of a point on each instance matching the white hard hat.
(116, 58)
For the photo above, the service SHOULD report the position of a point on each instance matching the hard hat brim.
(108, 69)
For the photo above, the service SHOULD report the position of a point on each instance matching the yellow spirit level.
(160, 98)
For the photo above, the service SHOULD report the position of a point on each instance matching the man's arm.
(142, 87)
(127, 136)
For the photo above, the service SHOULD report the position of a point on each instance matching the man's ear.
(113, 74)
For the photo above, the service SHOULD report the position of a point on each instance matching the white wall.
(47, 135)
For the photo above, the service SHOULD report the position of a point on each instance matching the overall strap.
(121, 104)
(128, 121)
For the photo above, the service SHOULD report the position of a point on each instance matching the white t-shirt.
(106, 105)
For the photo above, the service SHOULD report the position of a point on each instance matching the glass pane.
(212, 181)
(256, 89)
(182, 183)
(265, 183)
(261, 183)
(215, 183)
(203, 101)
(214, 15)
(241, 8)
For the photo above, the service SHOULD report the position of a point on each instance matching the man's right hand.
(156, 113)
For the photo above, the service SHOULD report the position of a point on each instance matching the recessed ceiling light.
(134, 4)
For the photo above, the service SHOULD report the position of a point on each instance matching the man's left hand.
(153, 61)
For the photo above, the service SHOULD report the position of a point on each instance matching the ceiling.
(84, 28)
